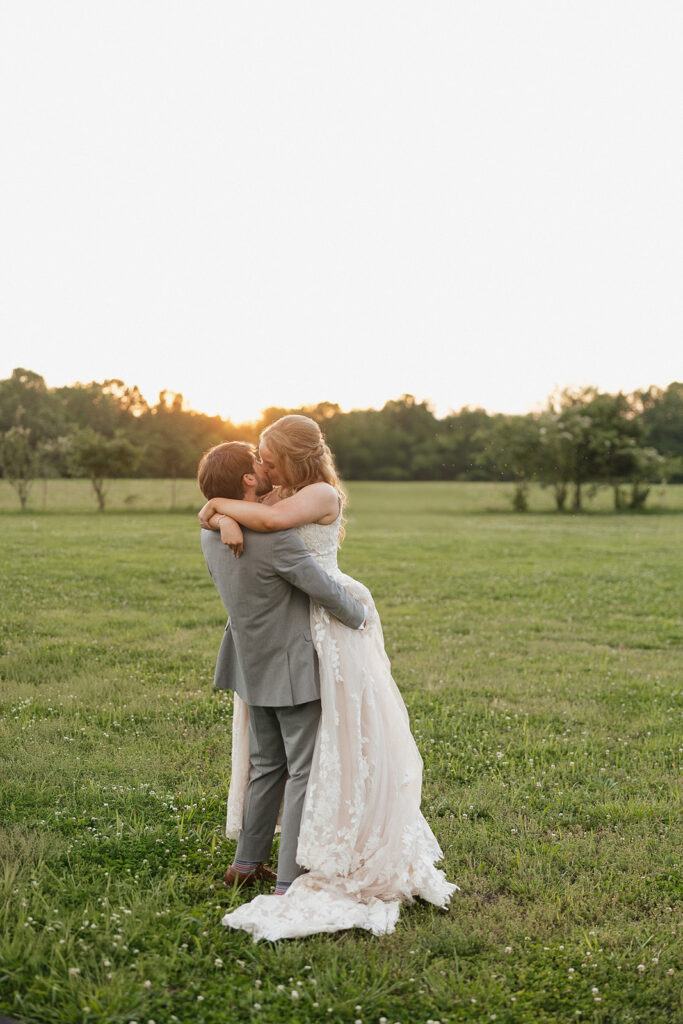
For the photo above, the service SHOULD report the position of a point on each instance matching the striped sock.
(245, 866)
(281, 888)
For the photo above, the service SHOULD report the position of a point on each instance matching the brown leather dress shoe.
(259, 874)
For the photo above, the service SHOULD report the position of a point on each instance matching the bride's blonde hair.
(302, 455)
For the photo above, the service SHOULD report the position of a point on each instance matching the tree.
(101, 458)
(514, 449)
(353, 440)
(661, 414)
(637, 467)
(54, 455)
(26, 401)
(587, 428)
(173, 439)
(577, 429)
(93, 406)
(19, 461)
(392, 443)
(556, 456)
(463, 441)
(592, 437)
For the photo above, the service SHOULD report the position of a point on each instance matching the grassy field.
(539, 656)
(178, 495)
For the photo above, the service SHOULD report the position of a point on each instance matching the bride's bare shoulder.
(323, 493)
(319, 487)
(318, 503)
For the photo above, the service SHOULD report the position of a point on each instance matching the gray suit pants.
(281, 740)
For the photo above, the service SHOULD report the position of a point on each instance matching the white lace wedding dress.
(363, 838)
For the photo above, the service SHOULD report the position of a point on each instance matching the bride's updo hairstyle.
(302, 456)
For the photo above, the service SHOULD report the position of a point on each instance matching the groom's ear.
(248, 480)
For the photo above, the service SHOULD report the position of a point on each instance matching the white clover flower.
(74, 970)
(294, 994)
(257, 1006)
(595, 990)
(218, 962)
(508, 949)
(147, 984)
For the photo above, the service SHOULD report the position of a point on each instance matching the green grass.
(164, 495)
(539, 656)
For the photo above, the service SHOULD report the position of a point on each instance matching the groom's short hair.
(221, 469)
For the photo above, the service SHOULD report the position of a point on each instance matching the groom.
(267, 657)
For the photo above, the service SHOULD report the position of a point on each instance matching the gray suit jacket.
(267, 653)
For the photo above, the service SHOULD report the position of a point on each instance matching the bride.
(363, 840)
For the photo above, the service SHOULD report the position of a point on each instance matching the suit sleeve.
(292, 561)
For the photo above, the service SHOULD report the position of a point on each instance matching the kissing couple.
(320, 730)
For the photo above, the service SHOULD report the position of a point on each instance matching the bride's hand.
(231, 534)
(204, 515)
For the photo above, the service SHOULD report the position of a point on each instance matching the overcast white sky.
(283, 202)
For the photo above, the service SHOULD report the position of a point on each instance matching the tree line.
(583, 439)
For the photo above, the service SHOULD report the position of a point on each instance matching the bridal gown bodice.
(363, 839)
(322, 543)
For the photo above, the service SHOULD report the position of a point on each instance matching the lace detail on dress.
(322, 542)
(363, 838)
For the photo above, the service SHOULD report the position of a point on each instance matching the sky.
(268, 203)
